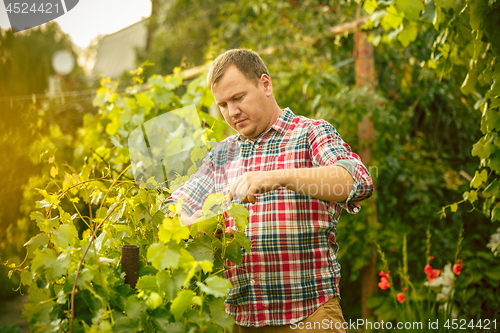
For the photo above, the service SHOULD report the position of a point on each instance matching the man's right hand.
(186, 219)
(190, 220)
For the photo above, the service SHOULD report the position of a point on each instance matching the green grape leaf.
(201, 248)
(172, 327)
(469, 84)
(49, 198)
(217, 310)
(186, 260)
(92, 302)
(48, 224)
(145, 102)
(477, 8)
(37, 216)
(492, 189)
(243, 240)
(53, 267)
(133, 307)
(392, 20)
(147, 283)
(204, 224)
(413, 10)
(64, 236)
(154, 301)
(206, 265)
(408, 34)
(240, 215)
(454, 207)
(482, 149)
(171, 229)
(491, 120)
(369, 6)
(124, 228)
(181, 303)
(214, 199)
(198, 153)
(112, 126)
(175, 283)
(216, 243)
(122, 324)
(26, 277)
(39, 306)
(494, 162)
(233, 253)
(479, 179)
(215, 285)
(163, 257)
(43, 257)
(429, 14)
(470, 195)
(164, 97)
(495, 213)
(36, 242)
(162, 279)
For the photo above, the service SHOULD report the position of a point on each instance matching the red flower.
(383, 274)
(406, 289)
(431, 258)
(401, 298)
(384, 283)
(460, 260)
(431, 273)
(457, 269)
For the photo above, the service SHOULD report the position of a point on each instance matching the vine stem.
(81, 263)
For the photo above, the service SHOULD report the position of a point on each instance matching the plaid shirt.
(292, 267)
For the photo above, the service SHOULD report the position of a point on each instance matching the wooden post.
(365, 76)
(130, 264)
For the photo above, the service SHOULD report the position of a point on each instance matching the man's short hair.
(247, 61)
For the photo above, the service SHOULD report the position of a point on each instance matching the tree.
(25, 64)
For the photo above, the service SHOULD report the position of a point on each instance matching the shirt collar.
(281, 124)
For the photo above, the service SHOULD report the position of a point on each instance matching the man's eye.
(238, 98)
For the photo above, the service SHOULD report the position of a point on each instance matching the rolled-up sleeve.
(326, 147)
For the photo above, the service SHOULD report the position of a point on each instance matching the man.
(296, 175)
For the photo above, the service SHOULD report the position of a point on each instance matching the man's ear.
(267, 84)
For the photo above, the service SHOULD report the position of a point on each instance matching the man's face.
(245, 105)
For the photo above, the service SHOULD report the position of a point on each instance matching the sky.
(89, 18)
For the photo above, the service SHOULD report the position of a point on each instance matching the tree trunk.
(152, 23)
(365, 76)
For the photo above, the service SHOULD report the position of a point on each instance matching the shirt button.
(252, 281)
(256, 146)
(251, 211)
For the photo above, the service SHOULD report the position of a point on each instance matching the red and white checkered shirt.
(292, 267)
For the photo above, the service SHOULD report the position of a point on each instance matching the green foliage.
(87, 211)
(26, 59)
(466, 41)
(26, 67)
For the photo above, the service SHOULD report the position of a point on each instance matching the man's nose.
(234, 109)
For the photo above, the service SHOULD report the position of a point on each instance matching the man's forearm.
(329, 183)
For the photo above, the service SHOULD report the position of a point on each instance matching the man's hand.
(186, 219)
(247, 186)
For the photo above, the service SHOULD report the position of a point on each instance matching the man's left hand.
(247, 186)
